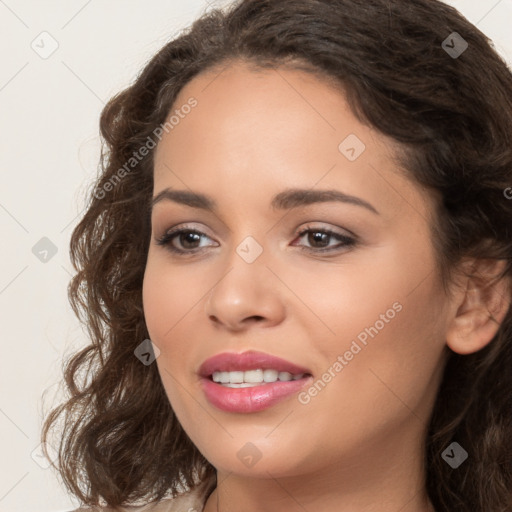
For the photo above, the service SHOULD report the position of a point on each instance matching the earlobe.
(482, 310)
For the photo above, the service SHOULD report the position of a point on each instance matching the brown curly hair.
(119, 439)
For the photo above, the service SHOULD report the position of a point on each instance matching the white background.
(49, 149)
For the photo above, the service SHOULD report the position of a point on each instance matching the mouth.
(251, 381)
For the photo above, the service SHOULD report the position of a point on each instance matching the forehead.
(276, 128)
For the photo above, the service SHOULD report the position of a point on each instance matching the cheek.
(166, 301)
(343, 302)
(391, 359)
(169, 295)
(173, 303)
(387, 322)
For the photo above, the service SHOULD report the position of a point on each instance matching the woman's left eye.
(321, 235)
(317, 237)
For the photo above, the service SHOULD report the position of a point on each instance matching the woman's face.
(361, 312)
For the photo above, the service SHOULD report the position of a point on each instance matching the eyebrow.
(285, 200)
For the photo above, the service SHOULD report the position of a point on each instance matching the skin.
(358, 444)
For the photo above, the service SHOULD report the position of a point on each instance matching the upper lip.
(250, 360)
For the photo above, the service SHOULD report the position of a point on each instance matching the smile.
(251, 381)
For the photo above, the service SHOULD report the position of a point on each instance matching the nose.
(247, 294)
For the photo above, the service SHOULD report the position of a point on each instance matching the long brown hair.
(451, 113)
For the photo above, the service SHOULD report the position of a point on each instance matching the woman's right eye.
(186, 237)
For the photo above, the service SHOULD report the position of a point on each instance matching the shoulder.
(192, 501)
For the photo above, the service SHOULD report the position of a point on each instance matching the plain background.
(50, 106)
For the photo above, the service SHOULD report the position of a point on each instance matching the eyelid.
(308, 225)
(322, 227)
(186, 226)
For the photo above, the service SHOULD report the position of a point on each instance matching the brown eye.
(319, 239)
(186, 238)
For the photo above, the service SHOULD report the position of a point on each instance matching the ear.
(482, 307)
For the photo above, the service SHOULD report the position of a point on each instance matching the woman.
(295, 269)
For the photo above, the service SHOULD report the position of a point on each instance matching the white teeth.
(253, 376)
(270, 375)
(236, 377)
(222, 377)
(249, 378)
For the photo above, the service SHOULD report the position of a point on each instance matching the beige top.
(193, 501)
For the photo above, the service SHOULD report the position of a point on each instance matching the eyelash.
(345, 241)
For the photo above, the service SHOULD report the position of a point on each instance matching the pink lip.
(252, 399)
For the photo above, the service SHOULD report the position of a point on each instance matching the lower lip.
(253, 399)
